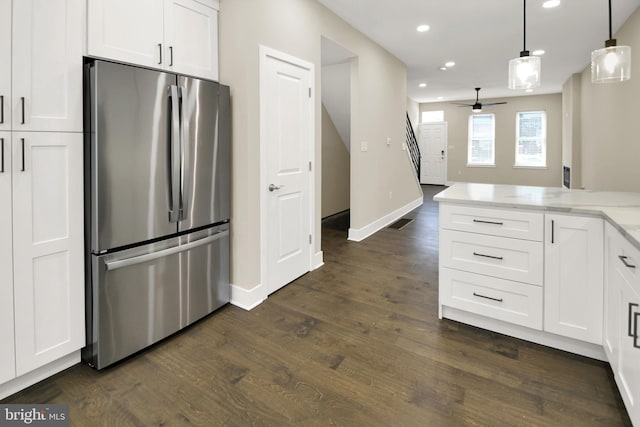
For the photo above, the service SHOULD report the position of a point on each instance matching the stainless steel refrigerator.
(157, 205)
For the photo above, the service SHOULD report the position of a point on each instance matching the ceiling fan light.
(477, 109)
(524, 72)
(611, 64)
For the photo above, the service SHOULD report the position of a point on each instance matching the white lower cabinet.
(622, 318)
(7, 349)
(44, 192)
(573, 280)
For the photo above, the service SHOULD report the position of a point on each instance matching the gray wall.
(610, 123)
(335, 169)
(505, 116)
(295, 27)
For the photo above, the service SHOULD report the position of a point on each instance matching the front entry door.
(287, 133)
(433, 147)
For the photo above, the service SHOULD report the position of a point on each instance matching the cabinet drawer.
(504, 300)
(511, 259)
(498, 222)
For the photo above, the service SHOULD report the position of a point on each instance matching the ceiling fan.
(477, 107)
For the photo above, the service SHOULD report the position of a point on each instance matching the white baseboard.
(44, 372)
(247, 299)
(318, 260)
(359, 234)
(548, 339)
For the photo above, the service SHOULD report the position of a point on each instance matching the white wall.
(336, 97)
(505, 116)
(296, 27)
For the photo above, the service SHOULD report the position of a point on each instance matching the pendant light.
(611, 63)
(524, 71)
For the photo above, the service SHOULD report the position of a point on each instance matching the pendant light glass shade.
(611, 64)
(524, 72)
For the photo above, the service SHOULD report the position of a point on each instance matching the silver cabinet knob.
(275, 187)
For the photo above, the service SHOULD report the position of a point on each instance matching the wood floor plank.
(357, 342)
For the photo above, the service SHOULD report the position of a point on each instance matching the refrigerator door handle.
(174, 155)
(127, 262)
(185, 170)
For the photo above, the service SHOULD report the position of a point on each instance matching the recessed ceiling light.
(551, 3)
(538, 52)
(422, 85)
(443, 68)
(529, 90)
(440, 98)
(449, 64)
(422, 28)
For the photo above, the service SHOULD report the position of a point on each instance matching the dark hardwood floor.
(355, 343)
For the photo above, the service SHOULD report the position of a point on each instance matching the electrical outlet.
(388, 141)
(390, 195)
(364, 146)
(404, 146)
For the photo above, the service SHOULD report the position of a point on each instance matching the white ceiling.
(481, 36)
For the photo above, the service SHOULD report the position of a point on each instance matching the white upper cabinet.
(47, 247)
(173, 35)
(126, 30)
(47, 46)
(573, 285)
(191, 36)
(7, 355)
(5, 64)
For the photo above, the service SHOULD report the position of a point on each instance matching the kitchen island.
(552, 266)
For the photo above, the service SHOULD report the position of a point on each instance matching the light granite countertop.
(621, 209)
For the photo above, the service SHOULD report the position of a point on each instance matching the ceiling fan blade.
(460, 104)
(493, 103)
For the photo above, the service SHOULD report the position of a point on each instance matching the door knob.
(275, 187)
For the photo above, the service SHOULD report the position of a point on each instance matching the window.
(432, 116)
(531, 139)
(481, 140)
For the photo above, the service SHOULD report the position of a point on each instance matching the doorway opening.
(337, 67)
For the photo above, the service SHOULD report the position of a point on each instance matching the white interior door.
(433, 150)
(286, 137)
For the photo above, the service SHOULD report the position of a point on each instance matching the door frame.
(265, 53)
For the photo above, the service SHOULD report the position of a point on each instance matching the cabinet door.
(574, 282)
(7, 349)
(48, 247)
(629, 367)
(126, 30)
(191, 35)
(5, 65)
(47, 65)
(612, 300)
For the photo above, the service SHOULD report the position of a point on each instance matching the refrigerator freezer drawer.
(142, 295)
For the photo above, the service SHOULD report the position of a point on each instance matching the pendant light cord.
(610, 35)
(524, 18)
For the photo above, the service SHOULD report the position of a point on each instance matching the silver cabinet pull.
(624, 261)
(127, 262)
(487, 222)
(1, 155)
(275, 187)
(486, 297)
(488, 256)
(170, 56)
(1, 109)
(636, 316)
(22, 147)
(160, 51)
(22, 107)
(175, 154)
(553, 232)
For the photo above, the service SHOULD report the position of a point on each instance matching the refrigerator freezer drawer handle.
(116, 264)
